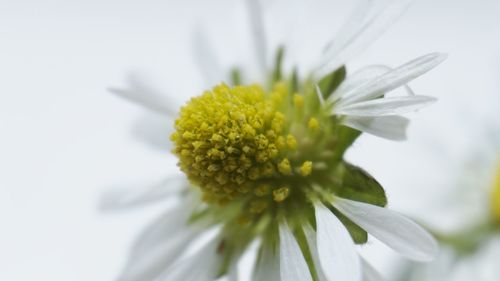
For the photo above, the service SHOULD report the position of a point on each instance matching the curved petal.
(368, 22)
(392, 79)
(388, 127)
(393, 229)
(140, 93)
(385, 106)
(370, 273)
(293, 266)
(357, 79)
(267, 266)
(124, 198)
(360, 77)
(337, 254)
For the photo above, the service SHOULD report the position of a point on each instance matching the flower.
(470, 238)
(264, 164)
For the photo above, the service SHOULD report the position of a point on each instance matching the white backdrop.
(64, 138)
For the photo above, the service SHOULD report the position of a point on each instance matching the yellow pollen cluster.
(495, 199)
(232, 141)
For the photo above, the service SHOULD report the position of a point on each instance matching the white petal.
(370, 273)
(233, 274)
(202, 266)
(393, 229)
(123, 198)
(388, 127)
(147, 265)
(313, 247)
(165, 226)
(206, 58)
(356, 79)
(140, 93)
(268, 265)
(366, 24)
(360, 77)
(258, 33)
(392, 79)
(293, 266)
(385, 106)
(336, 249)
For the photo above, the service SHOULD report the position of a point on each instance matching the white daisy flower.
(264, 162)
(470, 238)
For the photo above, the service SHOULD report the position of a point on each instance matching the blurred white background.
(64, 139)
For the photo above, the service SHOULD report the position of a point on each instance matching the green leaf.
(332, 81)
(358, 185)
(359, 235)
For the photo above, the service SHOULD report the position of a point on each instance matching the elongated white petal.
(313, 248)
(124, 198)
(258, 33)
(385, 106)
(202, 266)
(206, 58)
(360, 77)
(367, 23)
(293, 266)
(392, 79)
(336, 249)
(147, 265)
(370, 273)
(357, 79)
(268, 265)
(393, 229)
(233, 274)
(388, 127)
(140, 93)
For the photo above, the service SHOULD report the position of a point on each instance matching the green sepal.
(294, 81)
(277, 74)
(346, 137)
(359, 235)
(358, 185)
(332, 81)
(235, 76)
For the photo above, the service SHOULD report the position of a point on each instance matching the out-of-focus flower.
(471, 238)
(264, 164)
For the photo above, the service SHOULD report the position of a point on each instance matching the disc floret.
(248, 144)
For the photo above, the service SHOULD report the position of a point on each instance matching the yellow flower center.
(495, 198)
(244, 142)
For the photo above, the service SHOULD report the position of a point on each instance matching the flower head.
(267, 158)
